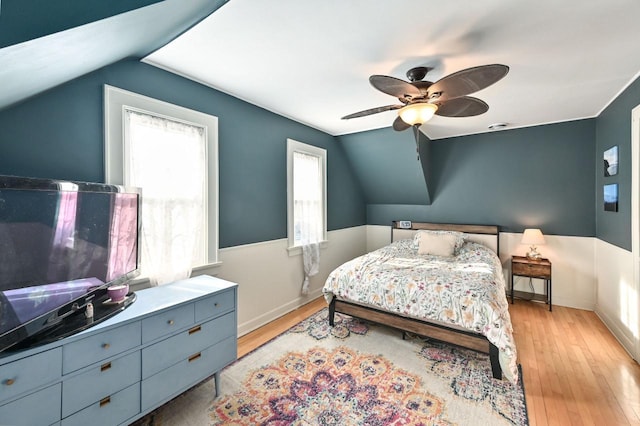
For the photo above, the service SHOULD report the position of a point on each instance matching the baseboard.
(586, 305)
(267, 317)
(617, 331)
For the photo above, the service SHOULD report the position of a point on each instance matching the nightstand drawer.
(531, 270)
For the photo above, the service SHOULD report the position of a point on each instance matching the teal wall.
(613, 127)
(387, 165)
(544, 176)
(59, 134)
(540, 176)
(26, 20)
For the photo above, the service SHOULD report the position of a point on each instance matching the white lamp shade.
(532, 236)
(417, 113)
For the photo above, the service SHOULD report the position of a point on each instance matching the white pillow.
(459, 237)
(437, 244)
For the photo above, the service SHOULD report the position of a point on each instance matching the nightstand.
(524, 267)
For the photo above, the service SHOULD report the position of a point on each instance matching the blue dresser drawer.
(166, 322)
(170, 351)
(110, 410)
(98, 347)
(39, 408)
(189, 371)
(215, 305)
(29, 373)
(102, 380)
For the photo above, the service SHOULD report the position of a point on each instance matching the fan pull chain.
(416, 134)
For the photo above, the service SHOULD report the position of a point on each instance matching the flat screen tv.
(62, 244)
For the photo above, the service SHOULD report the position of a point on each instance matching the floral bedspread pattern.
(467, 290)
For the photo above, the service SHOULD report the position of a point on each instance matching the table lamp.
(533, 237)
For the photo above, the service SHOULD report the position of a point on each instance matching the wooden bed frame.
(466, 339)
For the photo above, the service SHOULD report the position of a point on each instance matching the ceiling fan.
(447, 97)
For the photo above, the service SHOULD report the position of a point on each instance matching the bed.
(457, 296)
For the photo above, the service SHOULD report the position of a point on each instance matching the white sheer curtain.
(308, 211)
(65, 227)
(122, 246)
(173, 193)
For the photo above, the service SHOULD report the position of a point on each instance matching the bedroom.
(558, 188)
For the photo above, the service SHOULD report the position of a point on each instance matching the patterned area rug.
(355, 373)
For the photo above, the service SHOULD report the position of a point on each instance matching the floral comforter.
(466, 290)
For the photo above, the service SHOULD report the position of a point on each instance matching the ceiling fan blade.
(394, 86)
(372, 111)
(465, 106)
(399, 125)
(468, 81)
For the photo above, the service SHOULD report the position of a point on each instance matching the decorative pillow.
(437, 244)
(459, 238)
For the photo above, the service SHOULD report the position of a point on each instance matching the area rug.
(355, 373)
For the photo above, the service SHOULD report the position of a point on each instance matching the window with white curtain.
(306, 194)
(167, 151)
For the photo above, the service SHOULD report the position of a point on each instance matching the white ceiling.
(310, 60)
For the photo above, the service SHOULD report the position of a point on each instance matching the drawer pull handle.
(171, 322)
(194, 357)
(195, 329)
(105, 401)
(106, 346)
(105, 367)
(9, 382)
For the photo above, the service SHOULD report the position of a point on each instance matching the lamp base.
(533, 253)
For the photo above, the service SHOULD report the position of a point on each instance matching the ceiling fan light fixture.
(417, 113)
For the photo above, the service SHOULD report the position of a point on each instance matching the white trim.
(617, 94)
(115, 101)
(635, 211)
(295, 146)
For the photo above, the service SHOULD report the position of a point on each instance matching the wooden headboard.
(488, 235)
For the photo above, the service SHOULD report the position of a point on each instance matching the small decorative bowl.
(117, 293)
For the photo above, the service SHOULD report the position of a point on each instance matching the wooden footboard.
(466, 339)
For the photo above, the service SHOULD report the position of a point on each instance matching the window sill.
(140, 283)
(297, 250)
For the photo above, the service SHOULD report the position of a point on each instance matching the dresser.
(171, 338)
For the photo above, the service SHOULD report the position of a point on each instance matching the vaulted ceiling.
(310, 61)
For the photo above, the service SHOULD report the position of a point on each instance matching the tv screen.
(61, 243)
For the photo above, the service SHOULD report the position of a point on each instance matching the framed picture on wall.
(611, 161)
(611, 197)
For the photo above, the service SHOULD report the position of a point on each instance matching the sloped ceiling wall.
(45, 43)
(387, 164)
(22, 20)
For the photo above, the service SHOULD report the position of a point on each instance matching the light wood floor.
(575, 372)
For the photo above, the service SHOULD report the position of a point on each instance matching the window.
(171, 153)
(306, 193)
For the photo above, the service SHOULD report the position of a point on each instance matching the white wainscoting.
(573, 269)
(617, 301)
(269, 280)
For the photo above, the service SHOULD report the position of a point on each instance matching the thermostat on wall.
(404, 224)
